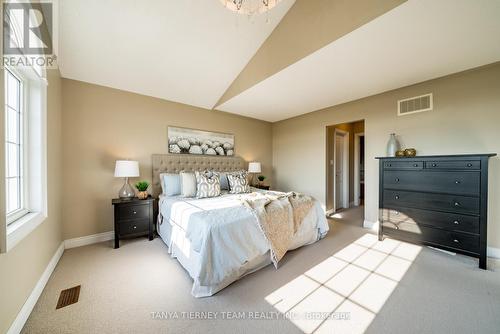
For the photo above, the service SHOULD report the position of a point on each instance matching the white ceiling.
(417, 41)
(187, 51)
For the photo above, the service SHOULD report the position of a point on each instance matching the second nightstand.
(261, 186)
(133, 217)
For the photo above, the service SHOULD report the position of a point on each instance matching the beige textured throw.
(279, 216)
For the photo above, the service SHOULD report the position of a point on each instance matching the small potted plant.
(142, 188)
(261, 179)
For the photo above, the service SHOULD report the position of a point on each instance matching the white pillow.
(188, 184)
(170, 184)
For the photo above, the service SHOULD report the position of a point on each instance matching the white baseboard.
(25, 312)
(493, 252)
(370, 225)
(89, 240)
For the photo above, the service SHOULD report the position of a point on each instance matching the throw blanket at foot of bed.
(279, 217)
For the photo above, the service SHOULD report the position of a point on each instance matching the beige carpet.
(361, 285)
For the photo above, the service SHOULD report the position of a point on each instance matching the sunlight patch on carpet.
(345, 292)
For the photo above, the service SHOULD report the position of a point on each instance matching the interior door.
(339, 170)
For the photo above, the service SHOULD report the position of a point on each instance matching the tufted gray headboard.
(174, 163)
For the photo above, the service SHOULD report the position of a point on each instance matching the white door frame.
(345, 169)
(357, 171)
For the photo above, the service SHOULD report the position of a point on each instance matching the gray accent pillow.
(224, 183)
(188, 184)
(170, 184)
(238, 182)
(207, 184)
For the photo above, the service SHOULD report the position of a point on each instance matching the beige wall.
(465, 119)
(102, 125)
(21, 267)
(307, 27)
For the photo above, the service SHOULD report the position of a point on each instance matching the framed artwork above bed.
(199, 142)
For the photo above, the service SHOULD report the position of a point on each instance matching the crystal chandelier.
(249, 7)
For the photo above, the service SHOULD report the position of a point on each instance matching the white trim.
(89, 240)
(493, 252)
(25, 312)
(357, 171)
(370, 225)
(345, 169)
(35, 148)
(22, 227)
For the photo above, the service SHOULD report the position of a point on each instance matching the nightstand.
(261, 186)
(133, 218)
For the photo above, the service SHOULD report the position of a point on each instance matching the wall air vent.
(415, 104)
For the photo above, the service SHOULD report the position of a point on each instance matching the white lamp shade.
(126, 168)
(254, 167)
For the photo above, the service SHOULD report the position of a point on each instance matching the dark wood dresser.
(133, 217)
(440, 201)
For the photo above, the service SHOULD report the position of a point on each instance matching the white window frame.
(35, 155)
(12, 217)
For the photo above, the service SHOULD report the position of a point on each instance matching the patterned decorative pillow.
(224, 183)
(207, 184)
(238, 182)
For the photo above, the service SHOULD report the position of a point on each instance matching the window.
(15, 162)
(25, 140)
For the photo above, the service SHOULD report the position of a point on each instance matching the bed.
(217, 240)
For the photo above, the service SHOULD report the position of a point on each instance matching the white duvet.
(217, 240)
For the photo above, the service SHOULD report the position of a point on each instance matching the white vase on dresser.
(393, 146)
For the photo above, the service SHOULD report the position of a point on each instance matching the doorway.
(359, 168)
(341, 167)
(345, 171)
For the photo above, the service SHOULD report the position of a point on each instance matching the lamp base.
(126, 192)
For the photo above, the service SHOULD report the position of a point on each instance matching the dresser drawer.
(454, 164)
(402, 164)
(133, 212)
(460, 183)
(448, 221)
(440, 202)
(134, 226)
(459, 241)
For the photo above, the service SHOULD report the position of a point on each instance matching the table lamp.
(126, 169)
(253, 168)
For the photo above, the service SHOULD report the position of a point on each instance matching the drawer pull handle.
(396, 197)
(469, 165)
(457, 182)
(135, 212)
(457, 204)
(456, 241)
(456, 222)
(415, 165)
(389, 165)
(135, 227)
(434, 165)
(397, 180)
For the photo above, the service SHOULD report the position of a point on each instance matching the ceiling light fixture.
(249, 7)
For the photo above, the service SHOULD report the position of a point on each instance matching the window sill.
(22, 227)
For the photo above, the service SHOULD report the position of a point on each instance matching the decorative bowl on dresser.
(440, 201)
(133, 217)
